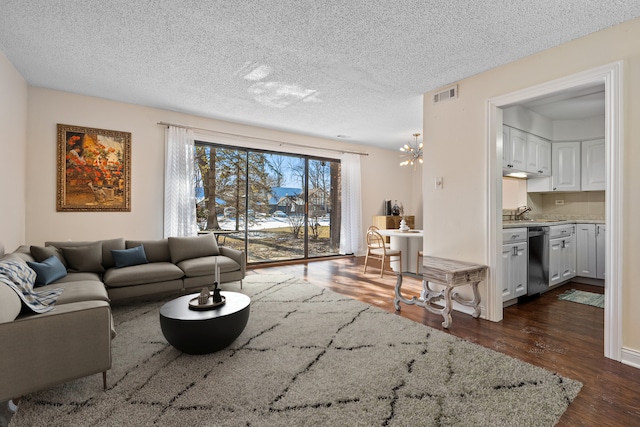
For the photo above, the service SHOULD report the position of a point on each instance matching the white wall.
(13, 155)
(578, 130)
(382, 177)
(528, 121)
(457, 135)
(514, 193)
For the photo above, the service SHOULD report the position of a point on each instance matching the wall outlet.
(559, 202)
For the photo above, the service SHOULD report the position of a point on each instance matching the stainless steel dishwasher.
(538, 243)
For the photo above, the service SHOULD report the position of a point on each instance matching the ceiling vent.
(446, 94)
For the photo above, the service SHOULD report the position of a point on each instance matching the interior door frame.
(611, 76)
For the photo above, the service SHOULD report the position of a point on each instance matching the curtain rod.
(273, 141)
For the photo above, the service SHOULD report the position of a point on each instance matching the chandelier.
(412, 153)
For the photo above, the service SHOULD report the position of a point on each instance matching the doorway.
(610, 76)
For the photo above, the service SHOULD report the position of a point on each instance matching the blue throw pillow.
(48, 271)
(129, 257)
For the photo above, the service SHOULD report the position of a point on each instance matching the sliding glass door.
(276, 206)
(323, 224)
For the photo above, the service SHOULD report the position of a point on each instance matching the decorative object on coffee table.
(204, 296)
(200, 331)
(207, 300)
(217, 298)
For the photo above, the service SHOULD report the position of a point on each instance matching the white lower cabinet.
(562, 254)
(586, 250)
(601, 233)
(569, 258)
(590, 256)
(515, 258)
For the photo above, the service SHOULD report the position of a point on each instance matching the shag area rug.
(583, 297)
(308, 356)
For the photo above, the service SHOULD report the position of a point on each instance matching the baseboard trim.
(630, 357)
(589, 281)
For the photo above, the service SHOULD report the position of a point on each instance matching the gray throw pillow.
(84, 258)
(108, 246)
(192, 247)
(40, 253)
(155, 250)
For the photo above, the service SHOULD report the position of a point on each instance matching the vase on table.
(403, 225)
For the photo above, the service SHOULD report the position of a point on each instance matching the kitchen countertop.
(547, 222)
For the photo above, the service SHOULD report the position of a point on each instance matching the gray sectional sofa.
(73, 340)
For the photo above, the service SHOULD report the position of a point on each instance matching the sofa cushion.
(40, 253)
(23, 253)
(205, 266)
(15, 257)
(48, 271)
(192, 247)
(84, 258)
(129, 257)
(79, 276)
(156, 250)
(142, 274)
(107, 246)
(10, 304)
(84, 290)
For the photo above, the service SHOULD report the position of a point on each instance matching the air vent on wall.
(445, 95)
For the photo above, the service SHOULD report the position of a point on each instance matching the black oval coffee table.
(204, 331)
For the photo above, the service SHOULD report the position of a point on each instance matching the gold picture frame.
(94, 170)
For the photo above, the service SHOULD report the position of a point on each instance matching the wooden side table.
(450, 274)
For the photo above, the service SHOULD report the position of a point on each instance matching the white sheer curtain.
(179, 188)
(351, 239)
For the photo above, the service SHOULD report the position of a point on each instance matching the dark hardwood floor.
(561, 336)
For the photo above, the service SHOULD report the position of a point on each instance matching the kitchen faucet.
(520, 211)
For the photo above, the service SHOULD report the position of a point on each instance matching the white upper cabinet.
(538, 155)
(525, 152)
(506, 147)
(593, 165)
(575, 166)
(514, 154)
(565, 166)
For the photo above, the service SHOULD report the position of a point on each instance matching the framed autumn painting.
(94, 170)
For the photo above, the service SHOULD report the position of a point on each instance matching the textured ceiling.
(355, 67)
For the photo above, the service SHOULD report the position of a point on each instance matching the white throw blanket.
(19, 277)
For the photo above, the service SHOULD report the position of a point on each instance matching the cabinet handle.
(540, 172)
